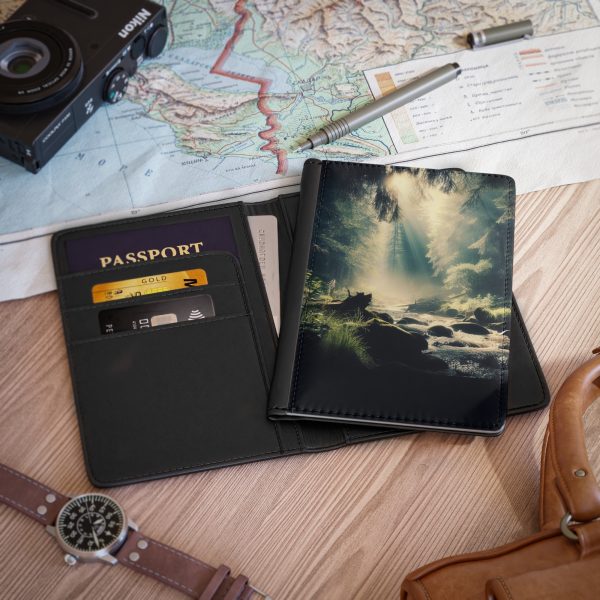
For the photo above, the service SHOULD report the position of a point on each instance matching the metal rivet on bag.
(134, 557)
(50, 498)
(580, 473)
(42, 510)
(142, 544)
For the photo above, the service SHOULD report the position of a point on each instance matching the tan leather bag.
(562, 561)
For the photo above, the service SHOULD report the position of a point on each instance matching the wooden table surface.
(342, 524)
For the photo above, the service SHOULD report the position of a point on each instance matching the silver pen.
(407, 93)
(503, 33)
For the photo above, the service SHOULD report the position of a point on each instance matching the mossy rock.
(483, 316)
(388, 343)
(380, 315)
(440, 331)
(472, 328)
(410, 321)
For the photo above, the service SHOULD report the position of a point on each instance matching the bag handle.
(569, 489)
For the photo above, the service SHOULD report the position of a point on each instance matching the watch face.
(91, 523)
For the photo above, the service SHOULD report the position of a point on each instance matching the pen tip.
(306, 146)
(457, 67)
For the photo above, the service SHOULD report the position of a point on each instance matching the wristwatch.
(94, 527)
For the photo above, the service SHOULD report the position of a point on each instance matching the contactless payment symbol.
(196, 314)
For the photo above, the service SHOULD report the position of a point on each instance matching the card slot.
(155, 330)
(160, 403)
(220, 268)
(149, 298)
(84, 323)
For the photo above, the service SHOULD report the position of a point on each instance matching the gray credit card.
(264, 235)
(155, 314)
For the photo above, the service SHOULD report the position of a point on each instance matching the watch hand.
(93, 530)
(98, 522)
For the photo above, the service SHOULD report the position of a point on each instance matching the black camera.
(60, 60)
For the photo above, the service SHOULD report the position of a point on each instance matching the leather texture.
(545, 565)
(316, 383)
(577, 580)
(566, 456)
(30, 497)
(177, 390)
(181, 571)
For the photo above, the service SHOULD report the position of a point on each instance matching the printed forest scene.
(408, 277)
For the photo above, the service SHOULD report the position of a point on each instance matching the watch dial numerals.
(90, 523)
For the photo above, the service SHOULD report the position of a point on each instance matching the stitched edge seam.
(425, 590)
(18, 505)
(311, 258)
(28, 479)
(158, 575)
(504, 587)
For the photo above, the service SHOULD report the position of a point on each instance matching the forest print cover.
(408, 287)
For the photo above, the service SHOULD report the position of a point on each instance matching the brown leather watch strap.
(181, 571)
(141, 553)
(30, 497)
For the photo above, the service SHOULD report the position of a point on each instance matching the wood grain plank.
(343, 524)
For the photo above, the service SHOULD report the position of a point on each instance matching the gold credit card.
(150, 284)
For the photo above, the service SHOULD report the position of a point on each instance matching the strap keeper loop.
(215, 583)
(237, 588)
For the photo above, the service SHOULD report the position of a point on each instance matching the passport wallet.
(399, 299)
(185, 397)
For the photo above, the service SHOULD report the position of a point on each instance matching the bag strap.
(569, 489)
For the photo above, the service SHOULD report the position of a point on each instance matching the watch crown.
(70, 560)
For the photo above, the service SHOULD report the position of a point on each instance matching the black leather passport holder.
(399, 299)
(190, 397)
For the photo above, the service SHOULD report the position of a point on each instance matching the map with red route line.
(238, 88)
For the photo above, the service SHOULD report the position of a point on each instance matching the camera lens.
(22, 64)
(22, 57)
(40, 66)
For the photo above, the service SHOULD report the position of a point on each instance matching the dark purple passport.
(146, 244)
